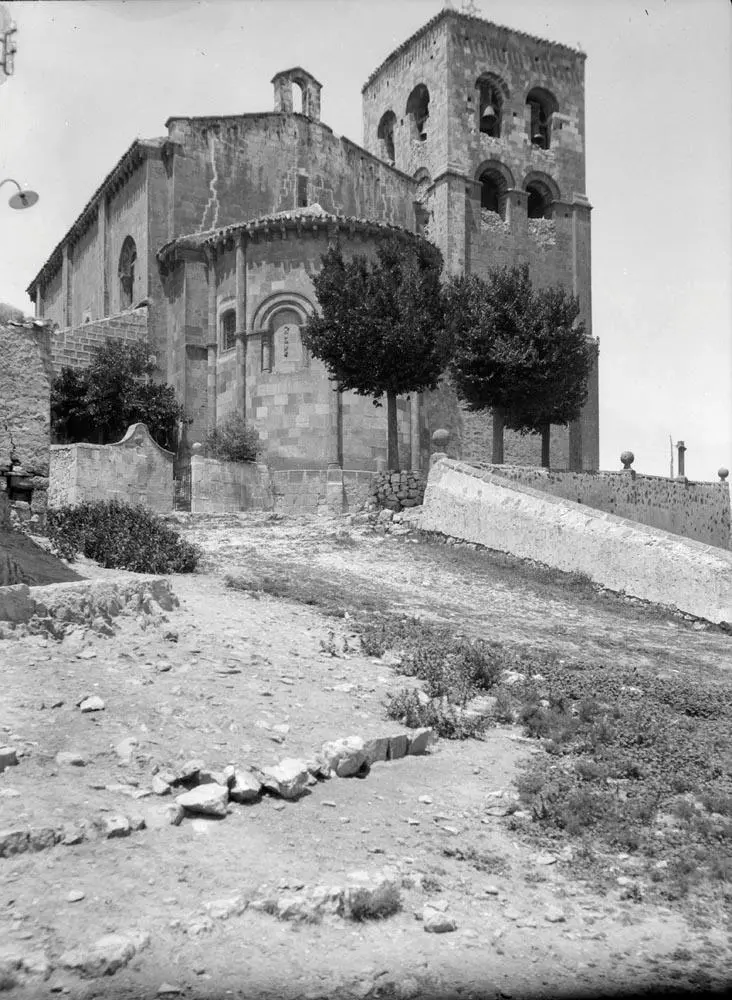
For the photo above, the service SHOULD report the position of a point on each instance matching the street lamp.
(21, 199)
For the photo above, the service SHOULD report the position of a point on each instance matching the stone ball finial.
(723, 473)
(440, 439)
(196, 448)
(627, 458)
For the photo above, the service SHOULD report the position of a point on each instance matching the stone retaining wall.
(396, 490)
(135, 469)
(696, 510)
(219, 487)
(475, 505)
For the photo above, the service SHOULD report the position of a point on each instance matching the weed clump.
(445, 719)
(119, 535)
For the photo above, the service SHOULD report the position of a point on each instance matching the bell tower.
(491, 124)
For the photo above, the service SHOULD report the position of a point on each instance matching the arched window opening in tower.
(539, 201)
(418, 107)
(493, 192)
(542, 106)
(490, 108)
(298, 98)
(385, 133)
(126, 272)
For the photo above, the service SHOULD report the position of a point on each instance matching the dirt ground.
(211, 680)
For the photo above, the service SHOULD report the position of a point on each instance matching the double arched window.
(126, 273)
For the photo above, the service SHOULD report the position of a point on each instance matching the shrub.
(447, 720)
(120, 536)
(233, 441)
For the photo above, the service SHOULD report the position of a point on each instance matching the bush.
(233, 441)
(120, 536)
(447, 720)
(100, 402)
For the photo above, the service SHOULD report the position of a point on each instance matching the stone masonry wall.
(135, 470)
(696, 510)
(397, 490)
(25, 419)
(219, 487)
(73, 346)
(478, 506)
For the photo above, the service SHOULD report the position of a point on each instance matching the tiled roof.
(310, 214)
(448, 12)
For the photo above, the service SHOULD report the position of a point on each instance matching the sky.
(91, 76)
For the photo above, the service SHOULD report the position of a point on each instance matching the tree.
(489, 361)
(563, 357)
(381, 326)
(521, 353)
(99, 403)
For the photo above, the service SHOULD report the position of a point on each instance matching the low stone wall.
(72, 347)
(695, 510)
(135, 469)
(331, 490)
(473, 504)
(219, 487)
(397, 490)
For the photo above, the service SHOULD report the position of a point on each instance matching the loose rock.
(436, 922)
(288, 779)
(346, 757)
(246, 787)
(208, 800)
(159, 786)
(70, 758)
(93, 704)
(114, 826)
(14, 841)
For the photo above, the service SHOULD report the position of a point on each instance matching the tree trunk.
(497, 458)
(392, 438)
(545, 435)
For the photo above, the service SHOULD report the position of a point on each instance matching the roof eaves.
(447, 12)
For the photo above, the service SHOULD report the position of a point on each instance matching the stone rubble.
(108, 954)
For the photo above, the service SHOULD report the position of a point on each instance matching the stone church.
(204, 242)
